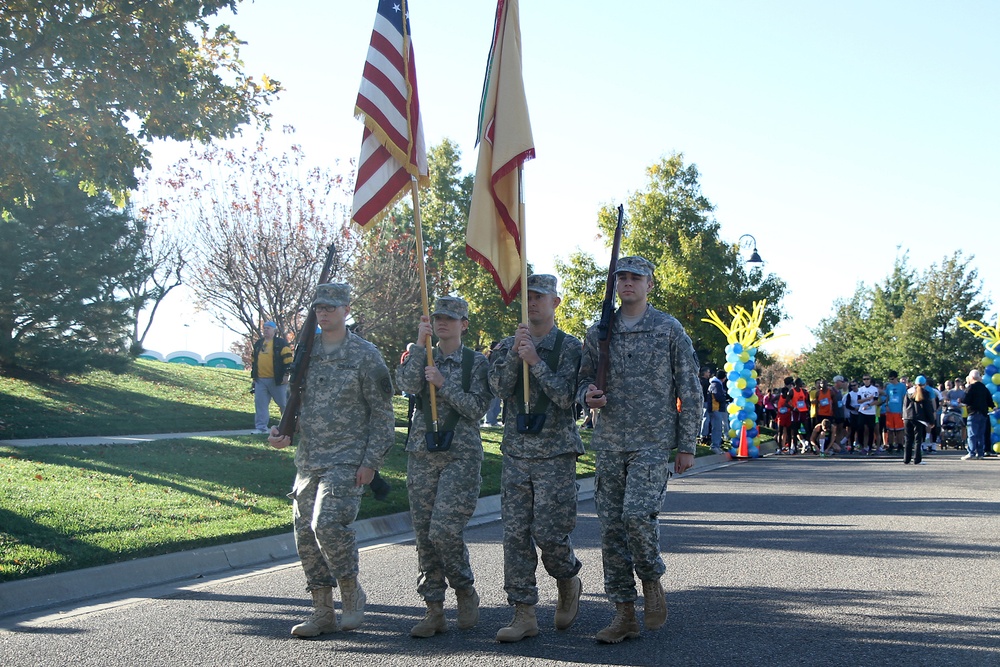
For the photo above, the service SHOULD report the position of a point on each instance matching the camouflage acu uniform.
(443, 487)
(652, 365)
(538, 485)
(346, 423)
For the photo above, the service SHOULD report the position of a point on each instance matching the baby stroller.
(952, 429)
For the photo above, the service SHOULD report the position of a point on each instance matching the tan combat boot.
(352, 603)
(569, 601)
(623, 626)
(654, 605)
(523, 625)
(468, 607)
(323, 619)
(432, 623)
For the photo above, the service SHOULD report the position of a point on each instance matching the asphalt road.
(778, 561)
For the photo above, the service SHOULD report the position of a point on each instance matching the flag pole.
(423, 293)
(524, 277)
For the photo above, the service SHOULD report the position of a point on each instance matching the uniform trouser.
(915, 433)
(264, 389)
(326, 503)
(443, 492)
(629, 491)
(538, 504)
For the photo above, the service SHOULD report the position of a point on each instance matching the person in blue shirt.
(894, 393)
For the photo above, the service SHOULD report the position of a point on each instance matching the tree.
(64, 259)
(583, 287)
(85, 84)
(156, 272)
(261, 226)
(670, 223)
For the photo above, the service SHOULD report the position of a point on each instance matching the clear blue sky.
(831, 132)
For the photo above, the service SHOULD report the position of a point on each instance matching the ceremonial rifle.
(607, 320)
(303, 353)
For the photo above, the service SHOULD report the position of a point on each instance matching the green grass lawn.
(69, 507)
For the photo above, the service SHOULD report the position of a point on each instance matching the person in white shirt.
(868, 397)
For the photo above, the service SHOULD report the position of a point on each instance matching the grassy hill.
(153, 397)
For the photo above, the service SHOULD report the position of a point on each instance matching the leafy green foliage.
(907, 323)
(84, 84)
(63, 260)
(671, 224)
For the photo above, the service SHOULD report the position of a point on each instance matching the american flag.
(392, 145)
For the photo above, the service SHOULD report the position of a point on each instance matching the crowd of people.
(867, 417)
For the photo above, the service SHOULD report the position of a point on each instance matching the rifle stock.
(607, 320)
(300, 366)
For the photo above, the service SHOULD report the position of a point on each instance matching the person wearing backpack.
(719, 400)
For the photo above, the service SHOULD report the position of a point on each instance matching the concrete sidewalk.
(57, 592)
(122, 439)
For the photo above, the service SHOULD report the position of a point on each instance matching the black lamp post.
(751, 242)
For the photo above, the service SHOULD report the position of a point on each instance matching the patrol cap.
(635, 264)
(332, 294)
(451, 306)
(543, 283)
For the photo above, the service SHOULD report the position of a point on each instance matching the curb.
(64, 588)
(120, 439)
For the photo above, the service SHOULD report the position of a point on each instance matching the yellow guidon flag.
(494, 235)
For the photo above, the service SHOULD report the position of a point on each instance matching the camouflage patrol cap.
(635, 264)
(451, 306)
(543, 283)
(332, 294)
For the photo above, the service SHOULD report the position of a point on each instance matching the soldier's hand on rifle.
(364, 476)
(277, 440)
(596, 399)
(524, 346)
(433, 375)
(423, 330)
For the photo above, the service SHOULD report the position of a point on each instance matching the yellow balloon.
(744, 356)
(753, 374)
(732, 408)
(732, 434)
(729, 367)
(741, 383)
(748, 423)
(753, 399)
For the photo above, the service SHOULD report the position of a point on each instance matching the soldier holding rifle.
(650, 404)
(345, 429)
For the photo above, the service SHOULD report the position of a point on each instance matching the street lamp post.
(750, 242)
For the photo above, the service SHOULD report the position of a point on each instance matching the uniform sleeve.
(503, 369)
(588, 366)
(560, 384)
(410, 373)
(688, 390)
(376, 386)
(471, 405)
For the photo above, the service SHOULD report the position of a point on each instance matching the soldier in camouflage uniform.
(652, 367)
(443, 486)
(539, 469)
(345, 429)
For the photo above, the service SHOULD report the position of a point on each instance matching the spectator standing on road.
(719, 399)
(705, 378)
(538, 482)
(918, 414)
(652, 404)
(346, 427)
(868, 397)
(894, 393)
(443, 483)
(978, 400)
(270, 361)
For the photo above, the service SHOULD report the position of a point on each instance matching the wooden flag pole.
(423, 293)
(524, 278)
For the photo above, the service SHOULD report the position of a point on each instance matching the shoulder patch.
(385, 385)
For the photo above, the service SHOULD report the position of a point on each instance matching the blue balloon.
(738, 366)
(754, 452)
(751, 383)
(749, 365)
(992, 388)
(991, 369)
(753, 415)
(747, 393)
(996, 397)
(753, 433)
(740, 401)
(734, 452)
(994, 438)
(742, 414)
(737, 348)
(729, 349)
(733, 376)
(752, 351)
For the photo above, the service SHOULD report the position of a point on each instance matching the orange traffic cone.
(743, 452)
